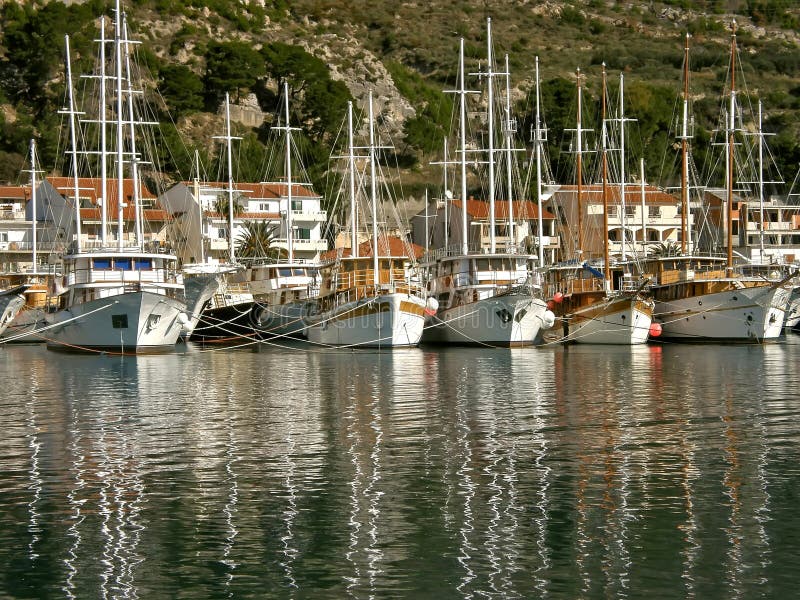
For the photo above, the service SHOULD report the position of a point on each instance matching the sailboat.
(374, 299)
(116, 296)
(702, 298)
(227, 314)
(483, 298)
(285, 290)
(593, 310)
(20, 323)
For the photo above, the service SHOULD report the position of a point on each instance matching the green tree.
(256, 239)
(182, 89)
(231, 66)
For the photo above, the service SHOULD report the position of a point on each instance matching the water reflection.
(566, 472)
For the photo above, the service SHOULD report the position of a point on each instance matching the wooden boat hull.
(618, 320)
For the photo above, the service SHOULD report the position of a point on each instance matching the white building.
(202, 225)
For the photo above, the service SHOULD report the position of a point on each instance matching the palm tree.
(221, 206)
(255, 241)
(664, 249)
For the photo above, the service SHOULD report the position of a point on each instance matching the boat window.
(384, 264)
(284, 272)
(101, 263)
(123, 264)
(300, 272)
(482, 264)
(143, 264)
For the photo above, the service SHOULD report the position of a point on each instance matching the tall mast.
(538, 139)
(490, 74)
(103, 127)
(352, 169)
(120, 149)
(761, 182)
(196, 186)
(622, 163)
(228, 143)
(644, 206)
(446, 199)
(578, 167)
(137, 196)
(463, 141)
(289, 183)
(373, 195)
(685, 153)
(33, 204)
(508, 130)
(731, 133)
(73, 147)
(604, 174)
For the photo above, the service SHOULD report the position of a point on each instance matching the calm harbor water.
(563, 472)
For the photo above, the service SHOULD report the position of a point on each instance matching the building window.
(654, 211)
(222, 234)
(302, 233)
(630, 210)
(297, 205)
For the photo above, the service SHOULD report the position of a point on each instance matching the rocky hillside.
(405, 53)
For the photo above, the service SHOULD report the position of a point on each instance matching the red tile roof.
(526, 209)
(91, 188)
(262, 190)
(593, 194)
(15, 192)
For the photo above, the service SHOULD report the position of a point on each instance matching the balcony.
(319, 216)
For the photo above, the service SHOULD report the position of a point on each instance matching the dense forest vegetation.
(197, 50)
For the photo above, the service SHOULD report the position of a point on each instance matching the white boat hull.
(388, 320)
(132, 322)
(10, 305)
(505, 320)
(24, 326)
(749, 315)
(793, 309)
(619, 320)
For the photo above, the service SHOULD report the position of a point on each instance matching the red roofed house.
(659, 222)
(204, 228)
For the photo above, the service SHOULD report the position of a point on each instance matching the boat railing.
(152, 276)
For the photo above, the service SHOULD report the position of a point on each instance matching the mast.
(462, 150)
(120, 149)
(137, 196)
(229, 142)
(289, 183)
(761, 182)
(685, 152)
(426, 220)
(508, 129)
(196, 188)
(604, 149)
(352, 162)
(103, 127)
(33, 204)
(463, 139)
(622, 163)
(540, 222)
(74, 147)
(490, 74)
(578, 166)
(446, 199)
(731, 133)
(373, 196)
(644, 208)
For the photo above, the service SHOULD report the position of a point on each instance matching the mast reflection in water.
(568, 472)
